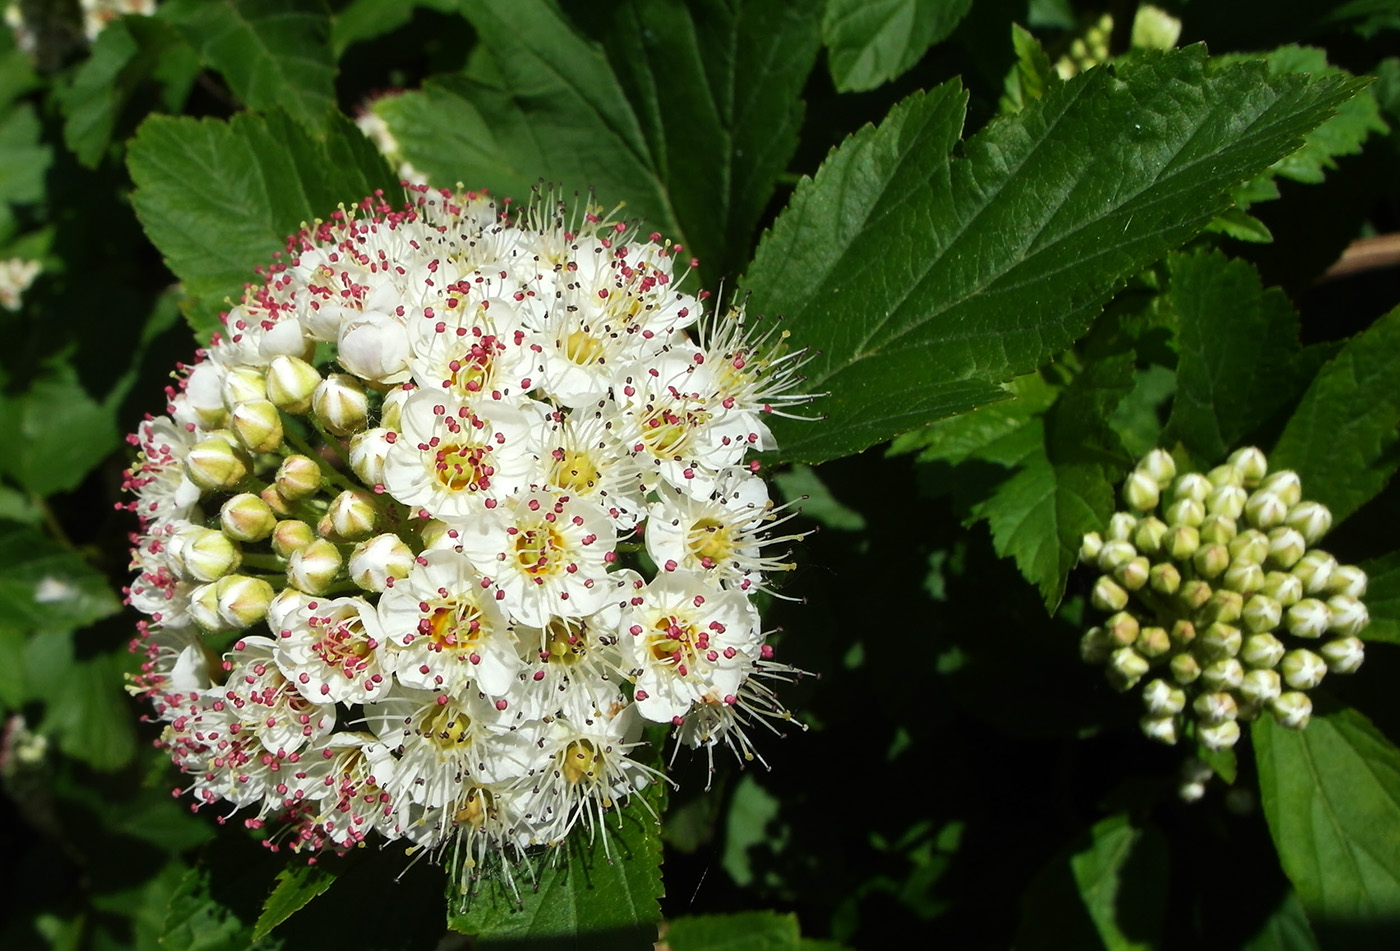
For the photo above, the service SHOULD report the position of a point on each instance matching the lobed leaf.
(1331, 794)
(218, 199)
(925, 278)
(1238, 346)
(272, 53)
(1341, 439)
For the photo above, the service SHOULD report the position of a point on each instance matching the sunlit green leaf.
(924, 279)
(296, 886)
(870, 42)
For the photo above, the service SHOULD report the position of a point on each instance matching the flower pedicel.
(393, 527)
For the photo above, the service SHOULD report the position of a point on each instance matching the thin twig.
(1366, 254)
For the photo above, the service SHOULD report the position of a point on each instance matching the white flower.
(334, 650)
(16, 274)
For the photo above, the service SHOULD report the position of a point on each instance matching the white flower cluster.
(1215, 580)
(504, 519)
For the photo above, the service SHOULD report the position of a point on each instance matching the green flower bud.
(242, 600)
(1264, 510)
(1164, 578)
(298, 477)
(1243, 577)
(1314, 570)
(1302, 669)
(1344, 654)
(1227, 500)
(369, 449)
(1191, 485)
(1183, 632)
(1285, 484)
(1308, 618)
(1348, 580)
(1249, 547)
(1140, 492)
(291, 536)
(340, 403)
(247, 518)
(313, 569)
(1225, 475)
(1211, 560)
(1126, 667)
(1260, 686)
(1121, 526)
(1154, 28)
(214, 465)
(1219, 736)
(1115, 553)
(1348, 616)
(1162, 729)
(1185, 668)
(1286, 546)
(1153, 642)
(1224, 605)
(374, 564)
(1094, 646)
(1215, 707)
(1133, 574)
(291, 382)
(353, 514)
(1261, 613)
(204, 608)
(1250, 463)
(1261, 650)
(275, 501)
(1311, 519)
(1160, 465)
(1224, 674)
(1218, 529)
(242, 383)
(1292, 709)
(1186, 512)
(1150, 533)
(1193, 594)
(1219, 641)
(1122, 629)
(1162, 699)
(257, 424)
(1089, 549)
(1282, 587)
(1108, 596)
(1181, 542)
(208, 555)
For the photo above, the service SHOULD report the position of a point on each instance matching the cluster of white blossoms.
(16, 274)
(459, 500)
(32, 21)
(1214, 582)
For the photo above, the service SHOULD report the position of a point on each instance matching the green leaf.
(14, 690)
(688, 114)
(580, 891)
(1031, 76)
(47, 587)
(200, 920)
(1064, 488)
(817, 502)
(23, 160)
(1287, 929)
(746, 931)
(1238, 347)
(1331, 794)
(366, 19)
(978, 433)
(870, 42)
(1383, 598)
(273, 53)
(126, 53)
(1122, 859)
(59, 433)
(85, 706)
(924, 279)
(296, 886)
(219, 198)
(1341, 438)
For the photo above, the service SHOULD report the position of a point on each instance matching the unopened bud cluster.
(433, 588)
(1217, 598)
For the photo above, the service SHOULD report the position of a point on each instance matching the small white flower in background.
(407, 592)
(98, 13)
(375, 129)
(1222, 616)
(16, 275)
